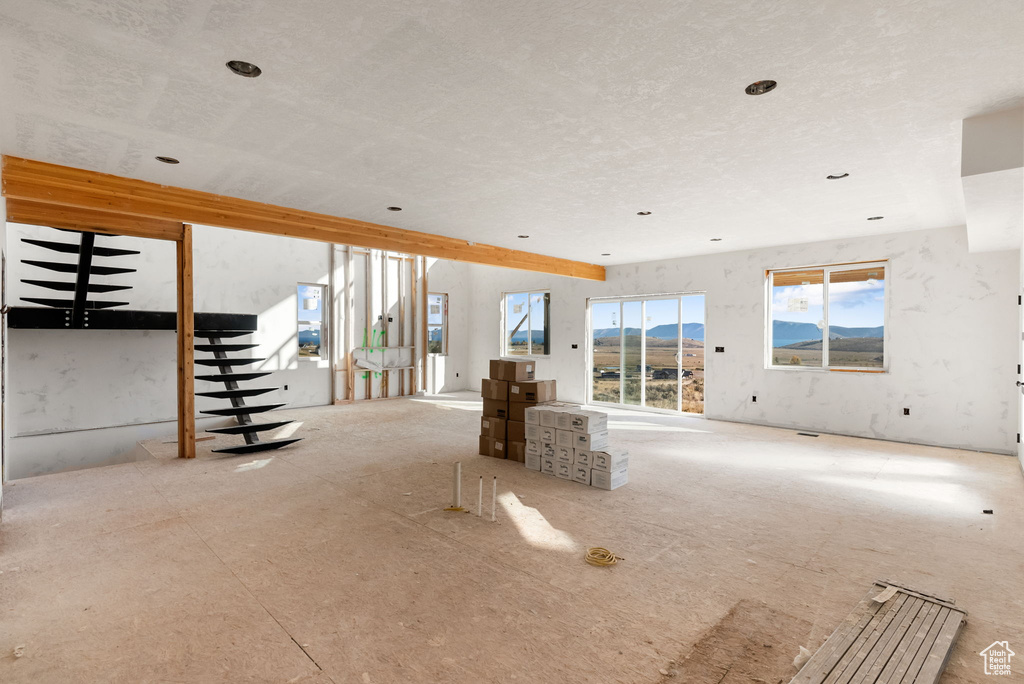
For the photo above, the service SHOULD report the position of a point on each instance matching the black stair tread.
(70, 287)
(71, 248)
(68, 303)
(227, 362)
(243, 410)
(73, 268)
(224, 347)
(258, 446)
(250, 428)
(234, 393)
(223, 333)
(237, 377)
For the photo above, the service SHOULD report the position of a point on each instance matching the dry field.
(661, 353)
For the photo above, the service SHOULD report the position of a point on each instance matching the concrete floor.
(332, 561)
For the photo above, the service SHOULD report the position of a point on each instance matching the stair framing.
(237, 395)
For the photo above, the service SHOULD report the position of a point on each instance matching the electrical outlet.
(719, 349)
(286, 388)
(754, 398)
(906, 411)
(456, 375)
(575, 346)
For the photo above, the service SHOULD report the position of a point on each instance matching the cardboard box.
(492, 427)
(547, 450)
(603, 479)
(565, 438)
(547, 465)
(548, 434)
(512, 371)
(546, 415)
(581, 474)
(589, 421)
(494, 408)
(590, 442)
(498, 448)
(532, 431)
(563, 419)
(609, 459)
(531, 414)
(517, 411)
(516, 431)
(563, 470)
(485, 445)
(516, 451)
(532, 392)
(565, 455)
(494, 389)
(532, 461)
(583, 458)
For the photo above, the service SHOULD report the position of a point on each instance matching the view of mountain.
(668, 331)
(789, 332)
(308, 337)
(538, 336)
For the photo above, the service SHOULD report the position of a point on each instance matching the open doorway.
(648, 352)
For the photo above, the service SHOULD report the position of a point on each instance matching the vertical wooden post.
(186, 348)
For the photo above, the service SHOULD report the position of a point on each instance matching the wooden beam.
(76, 218)
(186, 348)
(52, 184)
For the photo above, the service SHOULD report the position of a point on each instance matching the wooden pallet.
(906, 638)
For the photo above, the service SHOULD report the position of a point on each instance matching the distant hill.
(308, 337)
(793, 332)
(538, 336)
(668, 331)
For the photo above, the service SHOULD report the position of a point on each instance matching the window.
(526, 323)
(848, 301)
(311, 320)
(437, 323)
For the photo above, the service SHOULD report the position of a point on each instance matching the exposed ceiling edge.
(65, 186)
(992, 174)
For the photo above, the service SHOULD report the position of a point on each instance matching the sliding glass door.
(648, 352)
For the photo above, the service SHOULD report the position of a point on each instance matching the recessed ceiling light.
(168, 160)
(875, 218)
(841, 175)
(760, 87)
(522, 237)
(394, 208)
(716, 239)
(244, 68)
(643, 213)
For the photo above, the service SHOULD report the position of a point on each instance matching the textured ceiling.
(557, 119)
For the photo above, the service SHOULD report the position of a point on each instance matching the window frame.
(502, 344)
(444, 324)
(324, 354)
(826, 271)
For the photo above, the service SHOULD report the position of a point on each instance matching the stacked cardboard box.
(509, 390)
(571, 443)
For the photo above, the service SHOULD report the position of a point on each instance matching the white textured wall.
(953, 333)
(82, 398)
(449, 373)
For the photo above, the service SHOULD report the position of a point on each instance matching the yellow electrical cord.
(598, 555)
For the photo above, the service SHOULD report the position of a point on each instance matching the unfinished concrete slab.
(334, 561)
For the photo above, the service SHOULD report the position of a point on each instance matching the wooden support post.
(186, 348)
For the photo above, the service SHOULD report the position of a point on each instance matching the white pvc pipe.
(457, 485)
(480, 499)
(494, 499)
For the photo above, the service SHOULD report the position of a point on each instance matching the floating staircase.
(239, 409)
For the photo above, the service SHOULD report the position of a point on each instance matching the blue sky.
(659, 312)
(851, 305)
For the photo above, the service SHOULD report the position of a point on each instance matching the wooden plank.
(941, 649)
(105, 222)
(890, 641)
(897, 667)
(836, 646)
(66, 186)
(186, 348)
(849, 663)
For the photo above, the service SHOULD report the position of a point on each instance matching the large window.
(311, 321)
(526, 324)
(437, 323)
(830, 317)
